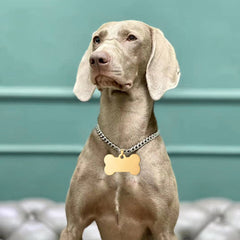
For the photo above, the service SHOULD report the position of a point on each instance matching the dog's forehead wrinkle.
(103, 33)
(115, 29)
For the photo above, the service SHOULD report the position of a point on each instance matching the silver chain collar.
(130, 150)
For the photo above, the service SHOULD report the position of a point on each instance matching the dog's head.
(122, 53)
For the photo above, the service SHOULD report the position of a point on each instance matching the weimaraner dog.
(133, 65)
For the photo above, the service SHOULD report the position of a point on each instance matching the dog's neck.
(127, 117)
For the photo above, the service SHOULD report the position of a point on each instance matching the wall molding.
(76, 149)
(65, 93)
(40, 149)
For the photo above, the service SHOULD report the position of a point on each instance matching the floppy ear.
(163, 71)
(83, 87)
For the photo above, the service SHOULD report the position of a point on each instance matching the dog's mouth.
(103, 81)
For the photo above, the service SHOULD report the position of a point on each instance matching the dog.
(133, 65)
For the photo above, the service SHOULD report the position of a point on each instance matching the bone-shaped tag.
(122, 164)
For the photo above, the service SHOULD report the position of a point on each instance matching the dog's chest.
(131, 188)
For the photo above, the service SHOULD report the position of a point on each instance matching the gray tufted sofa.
(42, 219)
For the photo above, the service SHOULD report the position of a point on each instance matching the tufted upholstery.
(42, 219)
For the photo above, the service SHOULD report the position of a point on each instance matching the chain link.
(129, 150)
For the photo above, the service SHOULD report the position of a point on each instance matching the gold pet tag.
(122, 164)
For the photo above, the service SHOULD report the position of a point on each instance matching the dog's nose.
(99, 59)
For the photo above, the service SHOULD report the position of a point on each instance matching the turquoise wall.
(43, 127)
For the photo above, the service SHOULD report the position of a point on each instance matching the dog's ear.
(163, 71)
(83, 87)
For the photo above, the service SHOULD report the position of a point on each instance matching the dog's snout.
(99, 58)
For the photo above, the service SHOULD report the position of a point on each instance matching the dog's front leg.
(71, 233)
(76, 223)
(77, 217)
(160, 231)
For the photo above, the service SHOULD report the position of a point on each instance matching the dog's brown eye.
(96, 40)
(131, 37)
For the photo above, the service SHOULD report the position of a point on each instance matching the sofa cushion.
(43, 219)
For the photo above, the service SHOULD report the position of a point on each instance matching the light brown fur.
(124, 206)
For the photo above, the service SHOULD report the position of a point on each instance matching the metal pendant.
(122, 163)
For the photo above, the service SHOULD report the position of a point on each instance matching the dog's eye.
(131, 37)
(96, 40)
